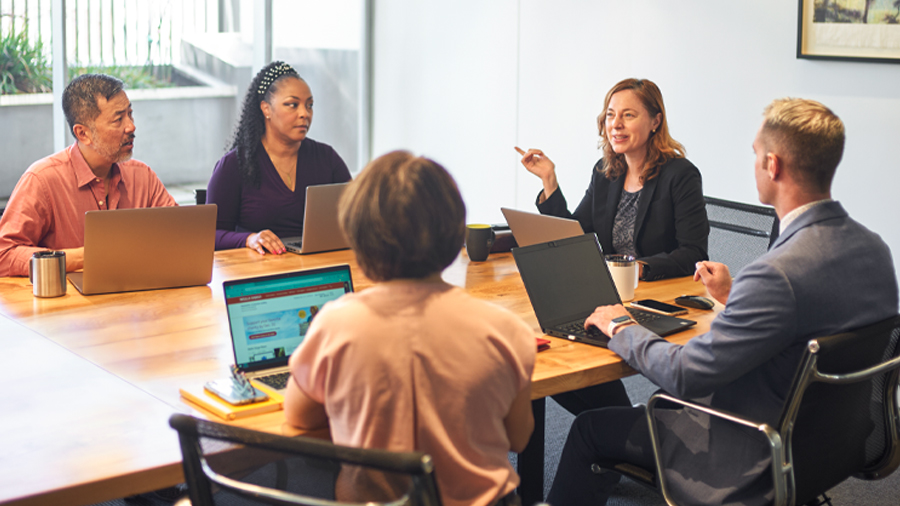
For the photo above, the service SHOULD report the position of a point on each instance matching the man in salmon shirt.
(46, 209)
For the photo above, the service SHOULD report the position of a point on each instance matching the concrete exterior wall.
(182, 137)
(332, 75)
(181, 132)
(25, 137)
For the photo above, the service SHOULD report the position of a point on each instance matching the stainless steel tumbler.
(47, 273)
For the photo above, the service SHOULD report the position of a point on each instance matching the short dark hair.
(810, 136)
(79, 100)
(404, 217)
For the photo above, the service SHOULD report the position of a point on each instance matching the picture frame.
(834, 30)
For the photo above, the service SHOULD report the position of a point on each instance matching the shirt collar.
(83, 173)
(796, 212)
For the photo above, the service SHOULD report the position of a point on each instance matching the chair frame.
(780, 440)
(199, 474)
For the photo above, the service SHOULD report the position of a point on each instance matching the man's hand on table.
(74, 259)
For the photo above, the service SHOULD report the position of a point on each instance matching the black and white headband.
(272, 75)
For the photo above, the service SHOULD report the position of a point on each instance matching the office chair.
(225, 464)
(840, 417)
(738, 232)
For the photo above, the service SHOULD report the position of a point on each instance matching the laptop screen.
(269, 316)
(566, 279)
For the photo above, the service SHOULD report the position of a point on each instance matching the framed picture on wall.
(854, 30)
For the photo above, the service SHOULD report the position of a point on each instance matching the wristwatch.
(621, 321)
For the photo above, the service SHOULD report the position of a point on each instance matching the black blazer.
(671, 227)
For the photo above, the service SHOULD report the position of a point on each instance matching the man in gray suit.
(824, 274)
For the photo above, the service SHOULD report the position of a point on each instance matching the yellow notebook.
(200, 397)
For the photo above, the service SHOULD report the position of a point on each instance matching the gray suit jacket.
(824, 275)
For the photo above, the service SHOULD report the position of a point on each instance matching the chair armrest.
(854, 377)
(772, 436)
(719, 413)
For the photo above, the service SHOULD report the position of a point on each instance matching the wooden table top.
(135, 350)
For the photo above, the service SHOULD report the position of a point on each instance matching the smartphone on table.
(230, 392)
(655, 306)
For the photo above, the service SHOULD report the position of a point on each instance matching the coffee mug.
(47, 273)
(623, 269)
(479, 239)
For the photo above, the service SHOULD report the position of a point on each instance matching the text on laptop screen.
(269, 317)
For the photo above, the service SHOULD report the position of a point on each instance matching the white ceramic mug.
(623, 269)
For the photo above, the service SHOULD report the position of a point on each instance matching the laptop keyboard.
(277, 381)
(576, 328)
(643, 317)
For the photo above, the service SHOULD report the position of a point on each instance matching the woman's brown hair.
(661, 147)
(404, 217)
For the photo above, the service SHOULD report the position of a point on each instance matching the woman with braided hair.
(260, 184)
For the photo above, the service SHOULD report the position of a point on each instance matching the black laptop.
(567, 279)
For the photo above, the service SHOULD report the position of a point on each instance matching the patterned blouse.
(623, 225)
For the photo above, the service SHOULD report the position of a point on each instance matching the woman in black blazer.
(645, 199)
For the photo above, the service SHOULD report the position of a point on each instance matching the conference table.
(90, 381)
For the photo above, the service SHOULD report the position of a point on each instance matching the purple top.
(245, 210)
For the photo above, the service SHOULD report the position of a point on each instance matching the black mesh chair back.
(228, 466)
(738, 232)
(839, 420)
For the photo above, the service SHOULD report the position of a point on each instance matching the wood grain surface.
(104, 370)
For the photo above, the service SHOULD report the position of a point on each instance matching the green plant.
(134, 77)
(23, 64)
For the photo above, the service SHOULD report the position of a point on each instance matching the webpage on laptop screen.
(270, 318)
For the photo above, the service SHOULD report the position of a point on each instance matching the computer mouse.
(695, 301)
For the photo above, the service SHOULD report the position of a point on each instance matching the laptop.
(270, 315)
(532, 228)
(321, 231)
(127, 250)
(567, 279)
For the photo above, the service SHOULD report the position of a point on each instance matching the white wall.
(464, 82)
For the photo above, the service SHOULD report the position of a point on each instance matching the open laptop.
(567, 279)
(321, 231)
(533, 228)
(146, 249)
(270, 315)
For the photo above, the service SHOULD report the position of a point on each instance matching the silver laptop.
(269, 317)
(533, 228)
(321, 231)
(146, 249)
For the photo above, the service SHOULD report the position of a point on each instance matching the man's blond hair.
(810, 138)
